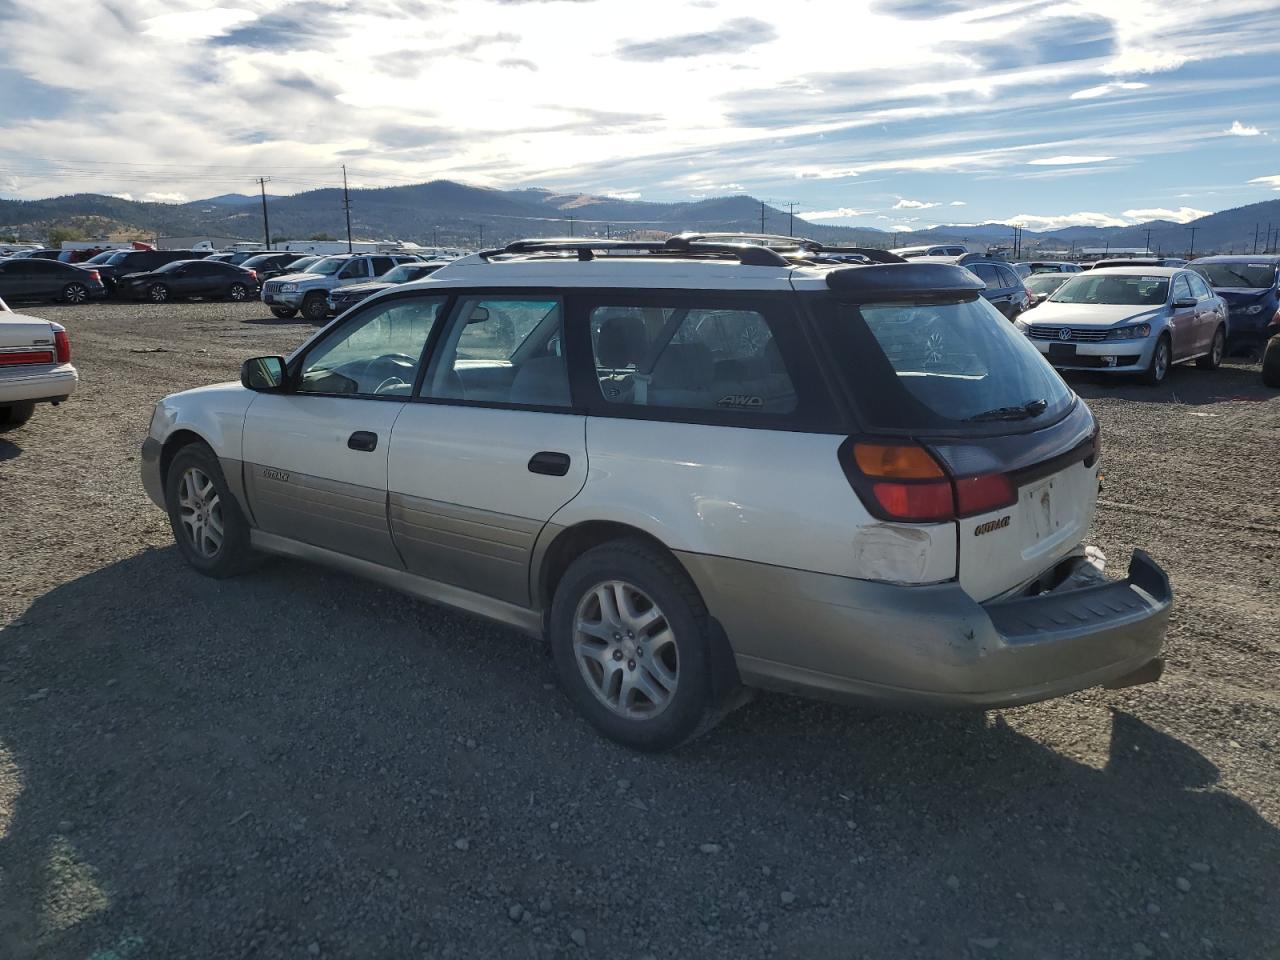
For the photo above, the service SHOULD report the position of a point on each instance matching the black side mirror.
(1183, 302)
(264, 374)
(478, 315)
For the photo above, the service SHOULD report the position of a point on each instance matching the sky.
(896, 114)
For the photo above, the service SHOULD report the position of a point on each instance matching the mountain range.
(443, 212)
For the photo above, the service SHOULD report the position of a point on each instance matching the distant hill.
(451, 213)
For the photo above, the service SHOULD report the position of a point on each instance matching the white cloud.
(1272, 182)
(1083, 219)
(1238, 129)
(914, 205)
(624, 195)
(1181, 215)
(957, 203)
(196, 24)
(903, 227)
(840, 213)
(824, 173)
(1066, 160)
(121, 196)
(1106, 89)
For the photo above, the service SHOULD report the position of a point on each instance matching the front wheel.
(1271, 362)
(630, 637)
(158, 293)
(210, 530)
(284, 313)
(315, 309)
(1213, 359)
(75, 293)
(16, 414)
(238, 292)
(1158, 368)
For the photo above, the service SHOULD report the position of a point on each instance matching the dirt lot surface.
(299, 764)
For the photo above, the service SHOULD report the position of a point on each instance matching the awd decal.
(740, 400)
(271, 473)
(991, 526)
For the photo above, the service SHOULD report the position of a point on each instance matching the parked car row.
(308, 292)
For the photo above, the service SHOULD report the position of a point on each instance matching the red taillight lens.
(989, 491)
(930, 500)
(95, 276)
(62, 346)
(254, 274)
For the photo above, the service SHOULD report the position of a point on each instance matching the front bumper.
(57, 383)
(149, 465)
(933, 646)
(275, 298)
(1123, 356)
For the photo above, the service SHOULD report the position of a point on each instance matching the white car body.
(29, 368)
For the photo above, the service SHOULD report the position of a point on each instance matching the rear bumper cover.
(50, 384)
(932, 646)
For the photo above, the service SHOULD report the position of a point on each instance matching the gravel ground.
(299, 764)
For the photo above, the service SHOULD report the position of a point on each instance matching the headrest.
(623, 341)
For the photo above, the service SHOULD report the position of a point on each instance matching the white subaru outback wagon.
(693, 467)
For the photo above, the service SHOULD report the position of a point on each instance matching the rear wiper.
(1032, 408)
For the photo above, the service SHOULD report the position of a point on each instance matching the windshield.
(256, 261)
(302, 266)
(116, 258)
(1237, 274)
(171, 266)
(1045, 282)
(1128, 288)
(101, 257)
(328, 266)
(945, 364)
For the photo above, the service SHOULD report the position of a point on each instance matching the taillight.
(62, 346)
(906, 482)
(95, 276)
(254, 274)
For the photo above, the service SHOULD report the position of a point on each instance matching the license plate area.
(1062, 351)
(1041, 509)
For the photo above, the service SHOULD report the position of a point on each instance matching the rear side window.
(988, 274)
(922, 366)
(1008, 278)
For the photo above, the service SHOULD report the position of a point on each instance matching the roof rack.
(799, 244)
(586, 249)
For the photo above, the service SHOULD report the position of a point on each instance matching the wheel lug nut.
(617, 636)
(617, 654)
(631, 664)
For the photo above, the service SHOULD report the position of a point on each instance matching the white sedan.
(35, 366)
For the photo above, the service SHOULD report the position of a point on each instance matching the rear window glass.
(914, 366)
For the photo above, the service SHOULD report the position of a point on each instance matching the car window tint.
(1199, 287)
(987, 273)
(1008, 278)
(506, 351)
(356, 268)
(381, 265)
(1181, 287)
(376, 353)
(700, 359)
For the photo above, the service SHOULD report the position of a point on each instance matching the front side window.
(506, 350)
(921, 366)
(725, 360)
(354, 270)
(1182, 289)
(988, 274)
(1198, 287)
(376, 353)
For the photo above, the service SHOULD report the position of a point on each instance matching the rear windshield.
(1130, 288)
(944, 366)
(1045, 282)
(1252, 276)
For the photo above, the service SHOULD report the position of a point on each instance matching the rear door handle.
(549, 463)
(363, 440)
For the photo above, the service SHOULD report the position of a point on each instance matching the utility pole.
(608, 233)
(571, 219)
(435, 236)
(1267, 247)
(1148, 239)
(762, 216)
(266, 226)
(1255, 237)
(481, 235)
(346, 205)
(1192, 254)
(791, 222)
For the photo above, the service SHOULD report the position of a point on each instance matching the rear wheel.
(315, 309)
(210, 530)
(630, 637)
(238, 292)
(1271, 362)
(158, 293)
(75, 293)
(15, 415)
(284, 313)
(1158, 368)
(1213, 359)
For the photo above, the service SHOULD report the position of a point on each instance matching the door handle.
(365, 441)
(549, 463)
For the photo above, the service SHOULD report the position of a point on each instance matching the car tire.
(315, 309)
(16, 414)
(238, 292)
(210, 529)
(75, 293)
(1271, 362)
(284, 313)
(1158, 367)
(1213, 359)
(158, 293)
(650, 608)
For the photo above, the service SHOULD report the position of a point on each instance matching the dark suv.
(1251, 288)
(140, 261)
(1003, 288)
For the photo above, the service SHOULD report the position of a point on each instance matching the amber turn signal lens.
(896, 462)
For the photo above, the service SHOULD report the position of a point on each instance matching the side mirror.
(1184, 302)
(478, 315)
(264, 374)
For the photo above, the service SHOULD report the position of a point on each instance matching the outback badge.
(991, 526)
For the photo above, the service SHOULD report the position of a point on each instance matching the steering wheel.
(389, 369)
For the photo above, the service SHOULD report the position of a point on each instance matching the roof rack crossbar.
(748, 254)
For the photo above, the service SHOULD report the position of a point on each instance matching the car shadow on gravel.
(1185, 384)
(8, 449)
(278, 322)
(203, 768)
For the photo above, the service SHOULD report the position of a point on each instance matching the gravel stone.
(1183, 884)
(579, 937)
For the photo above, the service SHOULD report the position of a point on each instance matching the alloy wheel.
(159, 293)
(625, 649)
(75, 293)
(1161, 361)
(200, 509)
